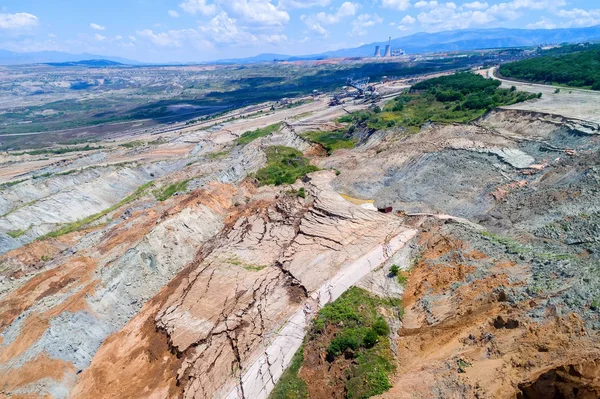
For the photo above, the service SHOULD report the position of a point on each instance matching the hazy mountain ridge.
(43, 57)
(457, 40)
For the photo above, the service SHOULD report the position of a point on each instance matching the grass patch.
(284, 166)
(457, 98)
(16, 233)
(71, 227)
(362, 331)
(217, 155)
(133, 144)
(578, 69)
(234, 260)
(168, 191)
(331, 141)
(402, 278)
(369, 377)
(58, 151)
(11, 183)
(517, 248)
(250, 136)
(290, 385)
(43, 175)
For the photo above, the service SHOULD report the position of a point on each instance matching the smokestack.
(377, 51)
(388, 48)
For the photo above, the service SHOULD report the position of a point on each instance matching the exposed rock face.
(254, 279)
(208, 294)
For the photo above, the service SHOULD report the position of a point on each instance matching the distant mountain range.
(457, 40)
(48, 57)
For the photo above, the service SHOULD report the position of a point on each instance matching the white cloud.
(274, 39)
(198, 6)
(579, 17)
(406, 22)
(426, 4)
(257, 12)
(132, 38)
(173, 13)
(313, 25)
(347, 9)
(364, 21)
(97, 27)
(99, 37)
(317, 22)
(476, 5)
(437, 15)
(20, 20)
(399, 5)
(288, 4)
(543, 23)
(223, 29)
(118, 37)
(171, 38)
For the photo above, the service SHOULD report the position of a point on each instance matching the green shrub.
(331, 141)
(381, 327)
(402, 279)
(394, 269)
(168, 191)
(284, 166)
(71, 227)
(351, 338)
(250, 136)
(16, 233)
(370, 339)
(290, 385)
(461, 97)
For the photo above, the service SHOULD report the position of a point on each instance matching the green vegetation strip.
(71, 227)
(290, 385)
(11, 183)
(457, 98)
(168, 191)
(331, 141)
(58, 151)
(579, 69)
(16, 233)
(360, 341)
(250, 136)
(517, 248)
(284, 166)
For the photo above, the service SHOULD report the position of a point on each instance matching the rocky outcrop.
(277, 258)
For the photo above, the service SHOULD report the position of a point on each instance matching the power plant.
(388, 50)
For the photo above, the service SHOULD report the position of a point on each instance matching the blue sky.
(200, 30)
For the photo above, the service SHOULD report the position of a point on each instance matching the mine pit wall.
(260, 378)
(128, 274)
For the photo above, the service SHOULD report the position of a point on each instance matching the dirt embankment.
(208, 293)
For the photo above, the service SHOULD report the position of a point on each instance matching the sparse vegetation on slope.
(71, 227)
(461, 97)
(167, 192)
(290, 385)
(250, 136)
(354, 337)
(16, 233)
(284, 166)
(59, 151)
(331, 141)
(581, 69)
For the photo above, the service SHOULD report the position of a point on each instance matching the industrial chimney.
(388, 48)
(377, 51)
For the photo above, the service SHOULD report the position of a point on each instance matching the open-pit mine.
(320, 250)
